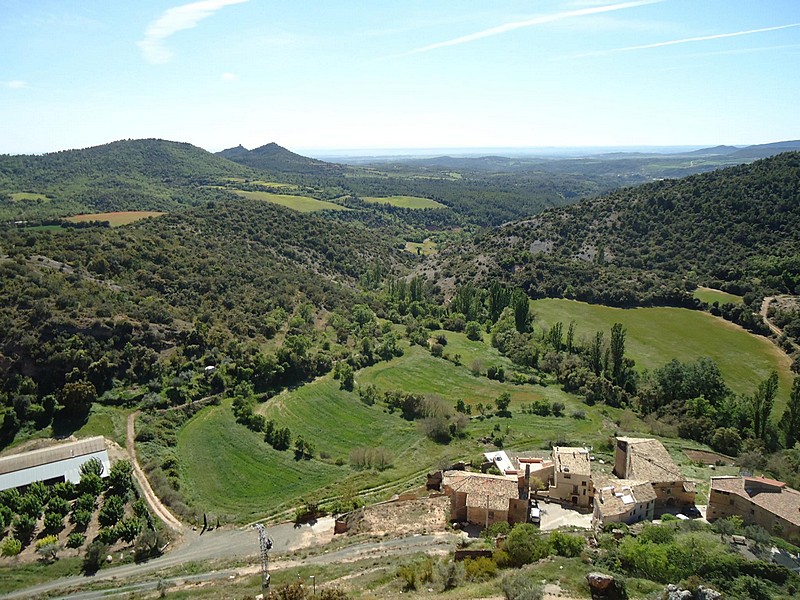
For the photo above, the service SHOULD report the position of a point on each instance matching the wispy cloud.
(16, 84)
(689, 40)
(174, 20)
(537, 20)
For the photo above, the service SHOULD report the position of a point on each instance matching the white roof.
(501, 461)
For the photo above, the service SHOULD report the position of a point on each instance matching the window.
(730, 501)
(583, 483)
(567, 476)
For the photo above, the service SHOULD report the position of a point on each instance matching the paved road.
(239, 543)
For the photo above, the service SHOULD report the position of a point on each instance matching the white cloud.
(174, 20)
(701, 38)
(16, 84)
(229, 77)
(537, 20)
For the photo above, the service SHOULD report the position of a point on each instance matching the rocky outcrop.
(674, 592)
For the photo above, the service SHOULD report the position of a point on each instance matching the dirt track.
(161, 511)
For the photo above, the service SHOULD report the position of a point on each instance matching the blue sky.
(331, 74)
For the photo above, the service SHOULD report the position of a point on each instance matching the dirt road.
(772, 327)
(153, 502)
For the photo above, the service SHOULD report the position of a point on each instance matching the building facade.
(572, 476)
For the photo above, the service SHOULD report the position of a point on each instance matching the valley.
(300, 339)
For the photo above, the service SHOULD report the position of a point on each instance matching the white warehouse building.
(52, 465)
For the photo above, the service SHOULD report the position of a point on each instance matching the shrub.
(521, 586)
(148, 545)
(495, 529)
(566, 545)
(94, 556)
(558, 408)
(93, 466)
(23, 527)
(80, 518)
(480, 569)
(85, 502)
(128, 529)
(91, 484)
(451, 574)
(53, 522)
(48, 547)
(525, 545)
(579, 415)
(75, 540)
(10, 547)
(108, 535)
(120, 478)
(58, 505)
(657, 534)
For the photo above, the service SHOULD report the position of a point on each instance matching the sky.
(394, 74)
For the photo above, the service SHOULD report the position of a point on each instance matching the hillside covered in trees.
(737, 229)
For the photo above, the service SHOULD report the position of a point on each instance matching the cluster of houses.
(645, 483)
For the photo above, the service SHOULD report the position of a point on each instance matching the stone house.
(572, 476)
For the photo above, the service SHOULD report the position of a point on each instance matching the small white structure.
(54, 464)
(501, 461)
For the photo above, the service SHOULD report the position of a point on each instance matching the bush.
(108, 535)
(495, 529)
(521, 586)
(557, 408)
(94, 556)
(80, 518)
(451, 574)
(525, 545)
(91, 484)
(148, 545)
(10, 547)
(480, 569)
(579, 415)
(566, 545)
(23, 527)
(48, 547)
(58, 505)
(53, 522)
(75, 540)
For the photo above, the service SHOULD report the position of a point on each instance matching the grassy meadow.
(116, 219)
(231, 471)
(414, 202)
(657, 335)
(299, 203)
(29, 196)
(710, 295)
(426, 248)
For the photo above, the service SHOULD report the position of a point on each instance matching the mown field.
(426, 248)
(710, 295)
(116, 219)
(405, 201)
(657, 335)
(298, 203)
(231, 471)
(30, 196)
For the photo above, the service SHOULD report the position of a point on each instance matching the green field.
(710, 295)
(116, 219)
(405, 201)
(657, 335)
(426, 248)
(298, 203)
(18, 196)
(229, 470)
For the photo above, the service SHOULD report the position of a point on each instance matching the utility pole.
(265, 545)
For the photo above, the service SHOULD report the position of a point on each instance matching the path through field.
(161, 511)
(772, 327)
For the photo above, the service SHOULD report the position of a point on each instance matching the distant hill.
(148, 174)
(766, 150)
(716, 151)
(277, 159)
(736, 228)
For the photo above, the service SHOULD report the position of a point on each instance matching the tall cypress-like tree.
(617, 353)
(762, 403)
(791, 416)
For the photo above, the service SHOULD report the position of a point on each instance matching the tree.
(94, 556)
(596, 353)
(77, 397)
(91, 484)
(120, 478)
(473, 331)
(113, 510)
(791, 416)
(93, 465)
(762, 402)
(346, 377)
(525, 545)
(521, 305)
(502, 402)
(617, 354)
(53, 522)
(48, 547)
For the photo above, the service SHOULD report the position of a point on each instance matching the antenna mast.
(265, 544)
